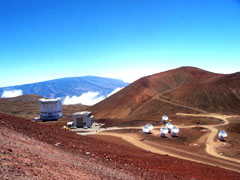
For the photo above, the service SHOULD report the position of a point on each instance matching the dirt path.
(208, 139)
(174, 103)
(211, 144)
(89, 132)
(173, 151)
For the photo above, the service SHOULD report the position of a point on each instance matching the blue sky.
(125, 39)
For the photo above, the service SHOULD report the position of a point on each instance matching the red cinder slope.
(38, 151)
(221, 94)
(125, 102)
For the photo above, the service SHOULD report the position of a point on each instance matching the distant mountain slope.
(27, 106)
(221, 94)
(133, 101)
(70, 86)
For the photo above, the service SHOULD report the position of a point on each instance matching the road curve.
(211, 145)
(210, 148)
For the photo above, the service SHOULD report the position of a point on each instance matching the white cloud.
(114, 91)
(11, 93)
(89, 98)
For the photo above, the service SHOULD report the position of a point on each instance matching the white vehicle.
(69, 124)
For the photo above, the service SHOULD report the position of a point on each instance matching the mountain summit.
(185, 89)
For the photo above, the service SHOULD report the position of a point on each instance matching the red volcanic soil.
(41, 151)
(123, 104)
(221, 94)
(186, 90)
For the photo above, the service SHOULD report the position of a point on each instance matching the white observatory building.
(50, 109)
(83, 119)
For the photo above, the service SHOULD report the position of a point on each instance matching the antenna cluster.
(163, 130)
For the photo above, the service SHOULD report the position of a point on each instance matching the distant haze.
(86, 90)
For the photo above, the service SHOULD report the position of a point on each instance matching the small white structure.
(50, 109)
(222, 135)
(164, 119)
(36, 119)
(83, 119)
(169, 126)
(163, 131)
(150, 127)
(174, 131)
(69, 124)
(145, 130)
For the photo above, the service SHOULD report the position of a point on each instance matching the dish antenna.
(174, 131)
(164, 119)
(163, 131)
(169, 126)
(221, 135)
(145, 130)
(150, 126)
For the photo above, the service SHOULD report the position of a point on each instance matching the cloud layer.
(114, 91)
(11, 93)
(89, 98)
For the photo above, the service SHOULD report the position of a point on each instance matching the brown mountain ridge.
(185, 89)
